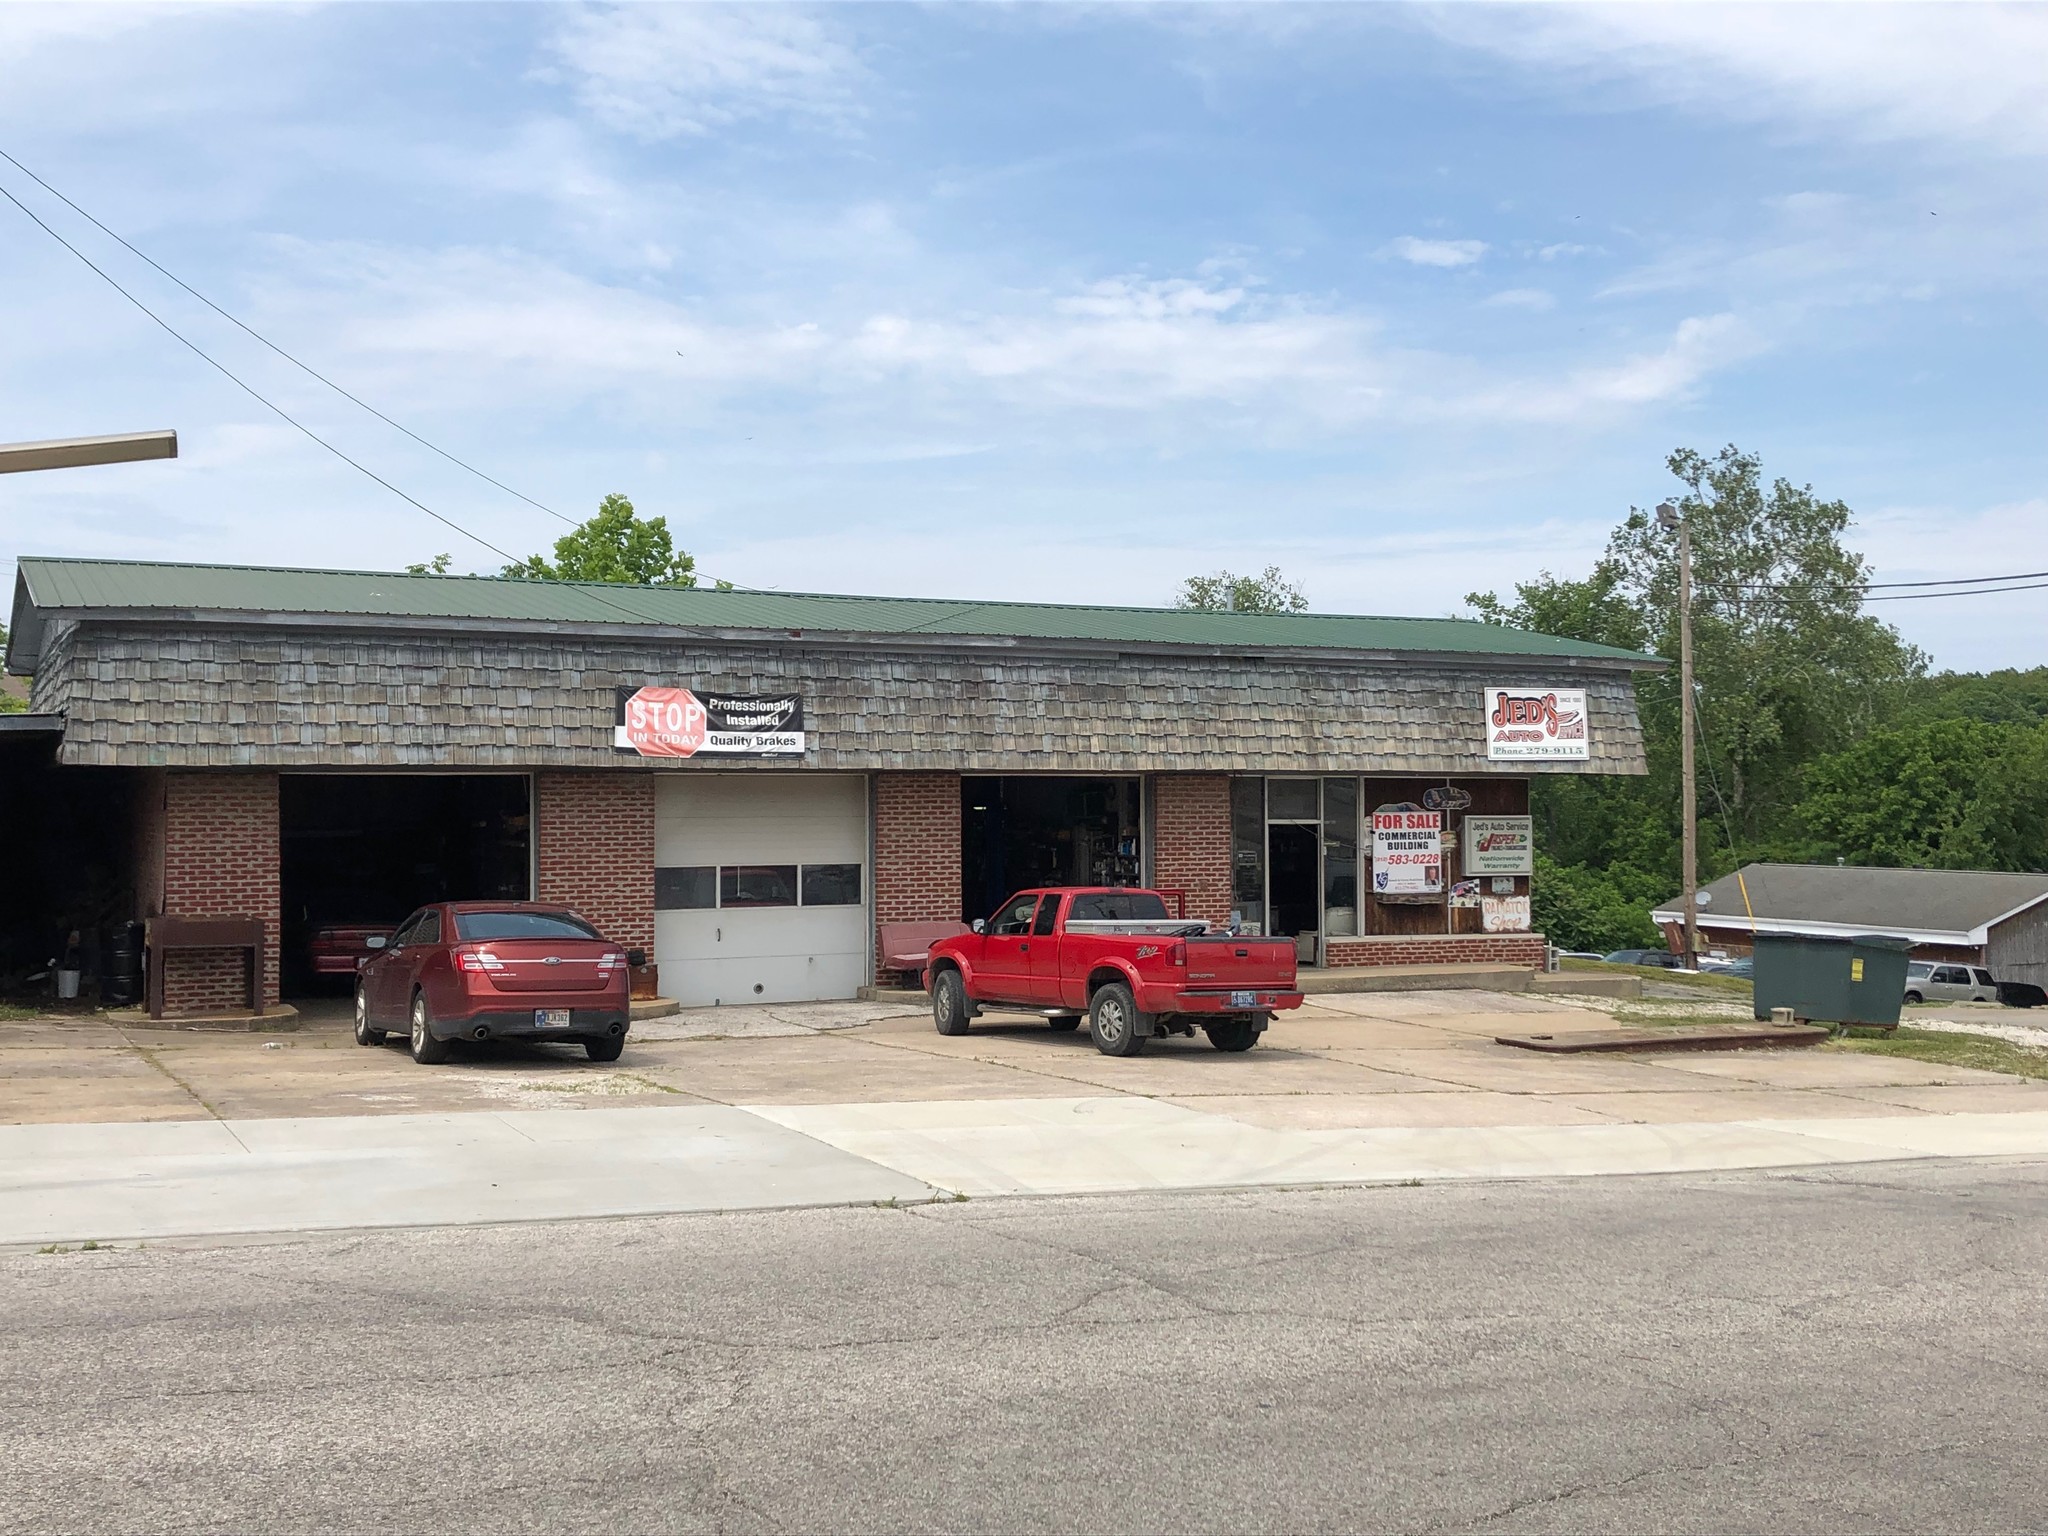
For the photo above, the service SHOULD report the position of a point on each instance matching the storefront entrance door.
(1294, 886)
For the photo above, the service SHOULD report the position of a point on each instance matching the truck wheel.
(949, 1003)
(1064, 1023)
(1113, 1021)
(1912, 997)
(1233, 1034)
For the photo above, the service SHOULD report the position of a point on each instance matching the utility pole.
(1667, 517)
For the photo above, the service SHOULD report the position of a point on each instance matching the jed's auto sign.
(1536, 725)
(680, 722)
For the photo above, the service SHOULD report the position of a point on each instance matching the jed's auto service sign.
(1536, 725)
(681, 722)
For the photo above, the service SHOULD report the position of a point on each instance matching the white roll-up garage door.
(761, 886)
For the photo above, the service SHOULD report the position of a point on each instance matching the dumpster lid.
(1882, 941)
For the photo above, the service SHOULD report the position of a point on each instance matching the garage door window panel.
(757, 885)
(693, 888)
(831, 885)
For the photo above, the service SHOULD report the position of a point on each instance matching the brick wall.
(220, 859)
(1441, 949)
(917, 848)
(596, 850)
(1191, 841)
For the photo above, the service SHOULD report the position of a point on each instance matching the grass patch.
(1983, 1052)
(1706, 982)
(10, 1014)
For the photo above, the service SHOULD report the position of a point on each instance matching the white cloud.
(1970, 73)
(1522, 298)
(661, 71)
(1437, 253)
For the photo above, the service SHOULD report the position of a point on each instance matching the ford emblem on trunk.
(551, 960)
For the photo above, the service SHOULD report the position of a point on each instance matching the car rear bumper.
(338, 965)
(1256, 1000)
(522, 1024)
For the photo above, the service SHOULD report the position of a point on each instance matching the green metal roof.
(47, 585)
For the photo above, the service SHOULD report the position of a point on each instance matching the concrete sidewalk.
(112, 1183)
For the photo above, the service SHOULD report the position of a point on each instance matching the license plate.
(1244, 999)
(551, 1018)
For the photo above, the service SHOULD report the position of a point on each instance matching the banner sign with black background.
(682, 722)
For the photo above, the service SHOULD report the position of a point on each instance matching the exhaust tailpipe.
(483, 1031)
(618, 1029)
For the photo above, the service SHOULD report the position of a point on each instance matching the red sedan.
(496, 970)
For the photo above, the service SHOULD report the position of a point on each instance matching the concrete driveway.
(1375, 1060)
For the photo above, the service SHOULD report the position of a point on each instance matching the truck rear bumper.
(1162, 1000)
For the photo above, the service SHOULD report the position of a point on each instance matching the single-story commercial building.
(749, 784)
(1974, 916)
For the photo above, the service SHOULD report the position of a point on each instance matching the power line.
(249, 389)
(273, 346)
(1907, 597)
(1876, 586)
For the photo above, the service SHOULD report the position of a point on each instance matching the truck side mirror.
(375, 941)
(636, 957)
(978, 926)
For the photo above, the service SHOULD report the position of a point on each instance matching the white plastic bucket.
(67, 984)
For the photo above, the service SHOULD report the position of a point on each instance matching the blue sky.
(1043, 303)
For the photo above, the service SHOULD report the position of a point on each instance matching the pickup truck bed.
(1118, 958)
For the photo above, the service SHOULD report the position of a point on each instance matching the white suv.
(1932, 982)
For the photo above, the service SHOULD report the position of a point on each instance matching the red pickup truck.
(1116, 956)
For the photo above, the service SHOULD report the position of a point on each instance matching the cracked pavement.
(1855, 1349)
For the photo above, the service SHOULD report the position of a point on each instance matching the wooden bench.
(905, 945)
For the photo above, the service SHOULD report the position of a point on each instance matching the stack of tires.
(121, 970)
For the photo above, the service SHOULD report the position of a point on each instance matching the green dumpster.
(1829, 980)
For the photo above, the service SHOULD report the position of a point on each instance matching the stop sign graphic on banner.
(665, 722)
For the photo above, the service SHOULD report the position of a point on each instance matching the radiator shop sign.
(1535, 725)
(681, 722)
(1407, 853)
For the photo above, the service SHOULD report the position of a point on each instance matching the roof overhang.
(31, 725)
(31, 623)
(1728, 922)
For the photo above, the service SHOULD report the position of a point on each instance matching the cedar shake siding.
(246, 696)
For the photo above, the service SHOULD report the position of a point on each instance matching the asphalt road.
(1859, 1349)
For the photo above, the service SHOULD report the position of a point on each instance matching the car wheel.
(1233, 1034)
(1912, 997)
(1113, 1021)
(426, 1050)
(364, 1034)
(605, 1047)
(1064, 1023)
(949, 1003)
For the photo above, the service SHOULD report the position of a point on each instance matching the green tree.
(438, 566)
(1268, 592)
(1788, 668)
(11, 703)
(618, 546)
(1950, 794)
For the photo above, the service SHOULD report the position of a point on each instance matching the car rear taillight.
(478, 960)
(1177, 954)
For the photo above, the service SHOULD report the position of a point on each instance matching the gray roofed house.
(1965, 911)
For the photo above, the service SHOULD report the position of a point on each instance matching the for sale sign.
(1407, 853)
(1536, 725)
(682, 722)
(1499, 845)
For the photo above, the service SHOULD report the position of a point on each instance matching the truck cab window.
(1048, 914)
(1016, 917)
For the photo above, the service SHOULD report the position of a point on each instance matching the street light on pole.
(1669, 520)
(77, 452)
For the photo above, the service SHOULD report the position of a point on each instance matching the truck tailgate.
(1222, 960)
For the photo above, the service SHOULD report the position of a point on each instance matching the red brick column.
(1191, 841)
(917, 848)
(1440, 949)
(220, 859)
(594, 845)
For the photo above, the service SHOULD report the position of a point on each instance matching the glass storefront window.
(1340, 857)
(1248, 852)
(1291, 799)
